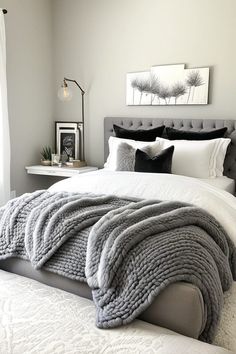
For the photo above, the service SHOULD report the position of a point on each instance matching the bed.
(178, 300)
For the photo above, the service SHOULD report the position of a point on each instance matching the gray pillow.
(125, 157)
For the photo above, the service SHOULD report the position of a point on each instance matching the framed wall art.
(168, 85)
(67, 138)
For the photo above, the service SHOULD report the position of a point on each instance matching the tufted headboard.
(185, 124)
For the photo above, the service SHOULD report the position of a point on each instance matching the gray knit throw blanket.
(132, 249)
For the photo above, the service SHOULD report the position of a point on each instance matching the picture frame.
(67, 140)
(166, 85)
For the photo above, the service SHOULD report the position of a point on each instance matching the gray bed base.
(184, 124)
(179, 307)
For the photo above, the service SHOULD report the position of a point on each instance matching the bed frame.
(185, 298)
(184, 124)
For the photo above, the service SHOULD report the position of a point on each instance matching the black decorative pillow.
(140, 134)
(176, 134)
(161, 163)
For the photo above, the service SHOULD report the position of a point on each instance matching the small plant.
(46, 153)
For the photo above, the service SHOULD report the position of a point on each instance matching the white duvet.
(219, 203)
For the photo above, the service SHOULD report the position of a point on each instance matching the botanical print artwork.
(168, 85)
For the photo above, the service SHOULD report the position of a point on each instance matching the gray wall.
(29, 74)
(99, 41)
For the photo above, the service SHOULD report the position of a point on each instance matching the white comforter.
(219, 203)
(35, 318)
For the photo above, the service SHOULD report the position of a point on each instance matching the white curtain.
(4, 125)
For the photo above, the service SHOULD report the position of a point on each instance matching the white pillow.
(112, 161)
(197, 158)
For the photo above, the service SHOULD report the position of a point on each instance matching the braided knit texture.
(135, 251)
(127, 251)
(51, 229)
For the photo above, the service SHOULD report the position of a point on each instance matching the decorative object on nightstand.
(67, 140)
(58, 171)
(65, 94)
(55, 160)
(46, 156)
(75, 163)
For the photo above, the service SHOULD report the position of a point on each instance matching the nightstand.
(58, 171)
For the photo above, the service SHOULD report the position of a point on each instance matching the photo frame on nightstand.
(67, 140)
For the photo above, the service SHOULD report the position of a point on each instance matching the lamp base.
(76, 163)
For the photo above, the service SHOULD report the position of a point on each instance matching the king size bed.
(171, 255)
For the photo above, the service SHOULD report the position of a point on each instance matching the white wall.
(29, 74)
(98, 41)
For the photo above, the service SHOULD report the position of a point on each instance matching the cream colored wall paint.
(29, 74)
(98, 41)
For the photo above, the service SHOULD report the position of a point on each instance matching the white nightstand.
(58, 171)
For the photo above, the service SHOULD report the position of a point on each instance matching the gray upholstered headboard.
(185, 124)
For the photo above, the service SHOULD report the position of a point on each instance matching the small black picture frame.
(67, 140)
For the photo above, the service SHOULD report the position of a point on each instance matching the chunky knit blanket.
(129, 250)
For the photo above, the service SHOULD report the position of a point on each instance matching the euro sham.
(138, 134)
(177, 134)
